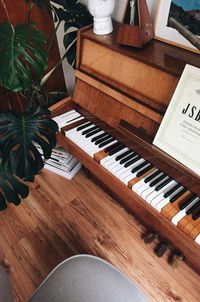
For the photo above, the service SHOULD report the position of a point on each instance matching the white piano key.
(197, 239)
(65, 115)
(68, 119)
(160, 197)
(182, 213)
(75, 135)
(142, 181)
(165, 201)
(145, 186)
(111, 159)
(125, 176)
(124, 169)
(133, 175)
(63, 124)
(117, 168)
(91, 150)
(128, 169)
(151, 189)
(155, 194)
(84, 141)
(112, 166)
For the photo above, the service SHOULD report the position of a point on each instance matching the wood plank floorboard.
(62, 218)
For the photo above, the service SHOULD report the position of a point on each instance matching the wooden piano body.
(127, 91)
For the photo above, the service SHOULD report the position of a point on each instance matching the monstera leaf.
(19, 133)
(11, 188)
(75, 15)
(22, 56)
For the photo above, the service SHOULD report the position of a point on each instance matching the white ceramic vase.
(101, 11)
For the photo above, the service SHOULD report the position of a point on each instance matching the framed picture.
(179, 131)
(178, 22)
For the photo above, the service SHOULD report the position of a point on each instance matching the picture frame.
(168, 34)
(179, 131)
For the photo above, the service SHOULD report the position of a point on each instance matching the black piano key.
(193, 208)
(187, 201)
(93, 132)
(116, 150)
(196, 215)
(89, 130)
(99, 141)
(132, 161)
(144, 170)
(157, 180)
(83, 126)
(152, 176)
(139, 167)
(179, 194)
(110, 148)
(164, 183)
(127, 158)
(73, 119)
(106, 142)
(123, 155)
(172, 190)
(100, 136)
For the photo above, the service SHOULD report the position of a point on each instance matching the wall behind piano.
(117, 15)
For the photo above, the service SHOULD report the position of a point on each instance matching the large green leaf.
(75, 15)
(22, 56)
(19, 133)
(11, 188)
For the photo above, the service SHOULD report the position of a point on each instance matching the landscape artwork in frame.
(178, 22)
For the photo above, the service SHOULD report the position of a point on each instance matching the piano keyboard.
(159, 190)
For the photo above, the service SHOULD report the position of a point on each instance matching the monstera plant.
(23, 62)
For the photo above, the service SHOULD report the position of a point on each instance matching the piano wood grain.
(126, 92)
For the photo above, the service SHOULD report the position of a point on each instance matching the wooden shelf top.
(164, 56)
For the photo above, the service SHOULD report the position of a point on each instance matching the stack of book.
(62, 163)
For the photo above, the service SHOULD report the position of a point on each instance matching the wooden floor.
(61, 218)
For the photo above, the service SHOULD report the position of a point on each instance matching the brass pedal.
(162, 248)
(176, 261)
(150, 237)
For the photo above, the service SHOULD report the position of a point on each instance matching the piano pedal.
(150, 237)
(162, 248)
(176, 260)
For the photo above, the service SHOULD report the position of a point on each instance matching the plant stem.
(6, 11)
(46, 77)
(29, 11)
(53, 37)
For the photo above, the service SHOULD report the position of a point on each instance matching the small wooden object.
(137, 28)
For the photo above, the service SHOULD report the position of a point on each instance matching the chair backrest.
(85, 278)
(5, 289)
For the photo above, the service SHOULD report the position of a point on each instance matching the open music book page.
(179, 132)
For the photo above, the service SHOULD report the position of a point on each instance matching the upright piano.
(120, 97)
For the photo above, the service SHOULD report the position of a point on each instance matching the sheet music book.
(61, 162)
(179, 131)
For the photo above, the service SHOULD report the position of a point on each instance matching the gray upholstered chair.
(5, 289)
(85, 278)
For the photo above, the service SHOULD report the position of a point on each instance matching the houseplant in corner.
(23, 61)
